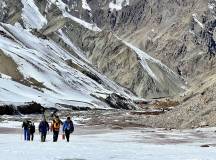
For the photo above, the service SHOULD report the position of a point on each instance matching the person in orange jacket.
(55, 127)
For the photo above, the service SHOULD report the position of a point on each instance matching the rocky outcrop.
(119, 102)
(29, 108)
(10, 14)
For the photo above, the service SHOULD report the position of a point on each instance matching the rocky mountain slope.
(112, 54)
(56, 52)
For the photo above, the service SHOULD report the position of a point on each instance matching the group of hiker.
(44, 127)
(29, 130)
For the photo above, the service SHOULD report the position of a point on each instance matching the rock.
(203, 124)
(153, 112)
(27, 108)
(205, 145)
(8, 110)
(31, 108)
(119, 102)
(117, 127)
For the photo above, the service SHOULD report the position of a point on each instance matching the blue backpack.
(68, 126)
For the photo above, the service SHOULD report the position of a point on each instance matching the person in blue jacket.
(43, 129)
(68, 128)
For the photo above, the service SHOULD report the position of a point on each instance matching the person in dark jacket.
(25, 126)
(68, 128)
(43, 129)
(55, 127)
(32, 131)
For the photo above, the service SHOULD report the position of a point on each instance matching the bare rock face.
(179, 33)
(10, 14)
(122, 64)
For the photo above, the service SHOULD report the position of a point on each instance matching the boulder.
(119, 102)
(27, 108)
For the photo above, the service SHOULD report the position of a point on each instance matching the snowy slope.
(44, 61)
(31, 15)
(50, 73)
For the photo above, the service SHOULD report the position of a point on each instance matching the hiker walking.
(43, 129)
(25, 126)
(32, 131)
(68, 128)
(55, 127)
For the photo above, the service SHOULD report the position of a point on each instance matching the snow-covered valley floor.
(133, 144)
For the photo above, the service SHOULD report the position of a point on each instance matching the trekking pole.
(21, 135)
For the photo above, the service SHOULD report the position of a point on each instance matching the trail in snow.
(118, 145)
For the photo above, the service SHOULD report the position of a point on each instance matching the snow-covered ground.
(118, 145)
(11, 124)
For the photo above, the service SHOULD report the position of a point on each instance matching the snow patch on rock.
(211, 6)
(4, 76)
(31, 15)
(118, 4)
(68, 42)
(197, 21)
(62, 6)
(85, 5)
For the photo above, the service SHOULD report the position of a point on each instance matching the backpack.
(43, 126)
(68, 126)
(56, 125)
(32, 128)
(71, 127)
